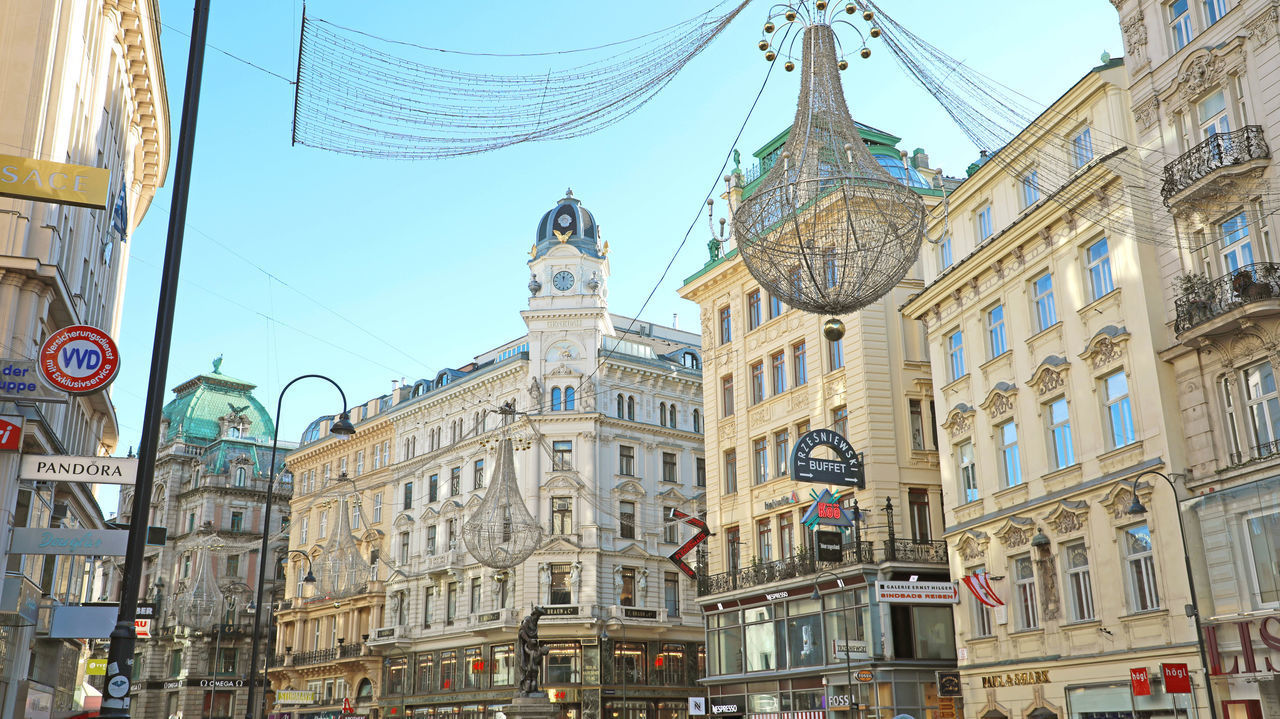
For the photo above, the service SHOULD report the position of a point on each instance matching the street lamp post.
(310, 578)
(343, 428)
(217, 639)
(1137, 508)
(604, 636)
(844, 625)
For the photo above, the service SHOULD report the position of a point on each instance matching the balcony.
(319, 656)
(1253, 289)
(446, 561)
(1241, 150)
(910, 551)
(802, 564)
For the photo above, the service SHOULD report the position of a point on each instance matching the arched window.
(241, 476)
(662, 414)
(631, 407)
(697, 421)
(406, 450)
(620, 413)
(671, 416)
(555, 399)
(233, 432)
(690, 360)
(568, 398)
(364, 691)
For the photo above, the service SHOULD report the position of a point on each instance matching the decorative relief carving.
(1107, 352)
(1147, 113)
(1000, 400)
(1262, 28)
(1201, 73)
(1134, 31)
(1104, 348)
(760, 416)
(973, 545)
(1049, 381)
(1050, 604)
(1016, 532)
(1069, 516)
(959, 420)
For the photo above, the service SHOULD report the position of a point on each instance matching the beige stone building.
(340, 522)
(770, 376)
(1044, 323)
(81, 83)
(1202, 77)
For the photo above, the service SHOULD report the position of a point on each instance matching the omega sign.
(845, 471)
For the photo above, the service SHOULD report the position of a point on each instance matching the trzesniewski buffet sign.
(844, 471)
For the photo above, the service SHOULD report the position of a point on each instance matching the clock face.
(564, 221)
(563, 280)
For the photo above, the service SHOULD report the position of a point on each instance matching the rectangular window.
(1119, 412)
(627, 520)
(562, 454)
(626, 460)
(983, 626)
(408, 495)
(1262, 533)
(1099, 268)
(775, 306)
(945, 258)
(431, 540)
(1180, 23)
(1046, 311)
(1010, 461)
(475, 595)
(1062, 450)
(1140, 569)
(477, 474)
(757, 382)
(1082, 148)
(1214, 10)
(731, 472)
(359, 462)
(764, 541)
(781, 452)
(302, 529)
(955, 355)
(918, 507)
(561, 591)
(324, 523)
(726, 328)
(562, 515)
(450, 608)
(760, 459)
(404, 548)
(1263, 405)
(670, 526)
(1030, 189)
(563, 663)
(426, 670)
(699, 472)
(1026, 611)
(732, 549)
(449, 661)
(753, 310)
(726, 396)
(1237, 248)
(778, 365)
(455, 481)
(835, 354)
(967, 471)
(786, 536)
(669, 467)
(985, 228)
(1079, 583)
(840, 420)
(1229, 409)
(671, 593)
(377, 509)
(237, 521)
(503, 659)
(627, 595)
(433, 488)
(996, 343)
(799, 372)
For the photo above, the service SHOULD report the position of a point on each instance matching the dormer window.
(241, 476)
(233, 432)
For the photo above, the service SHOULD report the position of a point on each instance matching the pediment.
(1119, 498)
(1016, 532)
(373, 535)
(564, 482)
(673, 493)
(972, 545)
(1105, 347)
(559, 543)
(633, 549)
(999, 400)
(1068, 516)
(450, 506)
(959, 420)
(429, 513)
(629, 487)
(1050, 374)
(402, 520)
(474, 502)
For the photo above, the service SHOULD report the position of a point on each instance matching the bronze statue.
(529, 653)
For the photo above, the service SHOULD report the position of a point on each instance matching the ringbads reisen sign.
(93, 470)
(78, 542)
(917, 593)
(79, 359)
(844, 471)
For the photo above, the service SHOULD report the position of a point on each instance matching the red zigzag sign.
(677, 557)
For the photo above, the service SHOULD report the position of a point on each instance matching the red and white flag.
(979, 583)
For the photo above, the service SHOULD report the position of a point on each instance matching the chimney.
(675, 321)
(395, 385)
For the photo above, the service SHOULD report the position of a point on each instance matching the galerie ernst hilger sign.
(845, 471)
(79, 542)
(61, 468)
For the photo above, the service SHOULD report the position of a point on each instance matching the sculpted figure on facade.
(529, 653)
(575, 580)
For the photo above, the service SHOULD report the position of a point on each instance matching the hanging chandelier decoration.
(341, 569)
(502, 533)
(200, 604)
(827, 229)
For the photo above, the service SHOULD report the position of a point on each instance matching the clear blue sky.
(428, 258)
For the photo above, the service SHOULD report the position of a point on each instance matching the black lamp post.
(342, 428)
(844, 624)
(1137, 508)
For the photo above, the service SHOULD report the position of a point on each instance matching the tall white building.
(610, 410)
(81, 83)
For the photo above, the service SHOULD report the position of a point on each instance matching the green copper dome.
(193, 415)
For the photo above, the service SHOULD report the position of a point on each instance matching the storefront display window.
(669, 665)
(1112, 700)
(448, 670)
(472, 668)
(858, 616)
(426, 672)
(503, 658)
(804, 640)
(563, 663)
(629, 662)
(396, 669)
(724, 643)
(761, 643)
(673, 710)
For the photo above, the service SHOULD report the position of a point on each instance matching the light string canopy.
(359, 94)
(827, 229)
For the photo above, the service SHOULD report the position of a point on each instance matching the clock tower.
(568, 314)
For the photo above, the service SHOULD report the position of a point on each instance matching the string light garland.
(358, 94)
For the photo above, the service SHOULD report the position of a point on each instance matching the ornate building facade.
(787, 632)
(608, 410)
(1053, 405)
(1201, 76)
(212, 471)
(83, 85)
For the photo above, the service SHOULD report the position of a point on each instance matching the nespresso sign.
(726, 709)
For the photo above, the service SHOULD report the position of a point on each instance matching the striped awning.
(790, 715)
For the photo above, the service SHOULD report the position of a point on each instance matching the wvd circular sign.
(79, 359)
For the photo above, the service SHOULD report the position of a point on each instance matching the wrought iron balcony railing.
(801, 564)
(920, 552)
(1211, 298)
(1260, 451)
(319, 656)
(1221, 150)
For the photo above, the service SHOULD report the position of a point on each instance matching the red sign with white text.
(1177, 679)
(10, 433)
(1140, 681)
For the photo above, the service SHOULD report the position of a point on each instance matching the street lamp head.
(1136, 507)
(342, 427)
(310, 578)
(251, 607)
(815, 596)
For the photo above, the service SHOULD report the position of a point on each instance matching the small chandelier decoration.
(341, 568)
(827, 229)
(200, 605)
(502, 533)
